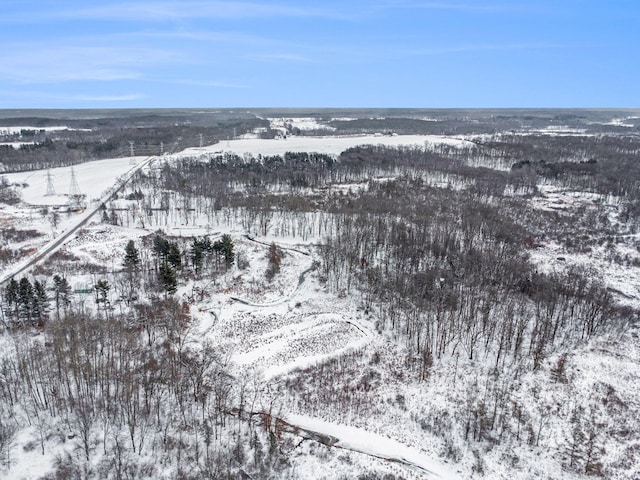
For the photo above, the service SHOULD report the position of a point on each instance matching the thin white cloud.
(203, 83)
(485, 48)
(51, 63)
(41, 74)
(469, 7)
(25, 97)
(105, 98)
(238, 38)
(277, 57)
(151, 11)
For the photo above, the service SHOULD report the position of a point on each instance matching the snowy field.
(16, 145)
(327, 145)
(17, 129)
(93, 179)
(301, 123)
(622, 122)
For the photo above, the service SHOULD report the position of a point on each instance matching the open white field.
(93, 179)
(327, 145)
(18, 128)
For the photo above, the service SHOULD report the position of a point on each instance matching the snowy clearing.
(93, 179)
(300, 123)
(17, 129)
(328, 145)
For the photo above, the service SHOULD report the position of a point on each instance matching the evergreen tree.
(200, 248)
(206, 244)
(131, 262)
(174, 257)
(61, 290)
(40, 300)
(25, 299)
(197, 254)
(224, 247)
(102, 292)
(167, 278)
(131, 256)
(12, 298)
(161, 247)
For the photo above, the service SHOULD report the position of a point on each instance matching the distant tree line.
(110, 138)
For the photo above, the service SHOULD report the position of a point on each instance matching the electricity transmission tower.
(76, 199)
(50, 190)
(74, 189)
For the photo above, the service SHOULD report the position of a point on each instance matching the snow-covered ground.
(621, 122)
(327, 145)
(93, 179)
(16, 145)
(102, 177)
(301, 123)
(363, 441)
(17, 129)
(292, 323)
(554, 198)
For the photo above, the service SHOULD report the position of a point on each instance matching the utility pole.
(131, 148)
(200, 140)
(161, 148)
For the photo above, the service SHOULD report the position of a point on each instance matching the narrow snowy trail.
(286, 298)
(283, 247)
(362, 441)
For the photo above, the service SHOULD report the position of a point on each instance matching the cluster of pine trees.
(28, 303)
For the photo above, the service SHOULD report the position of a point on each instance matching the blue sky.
(282, 53)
